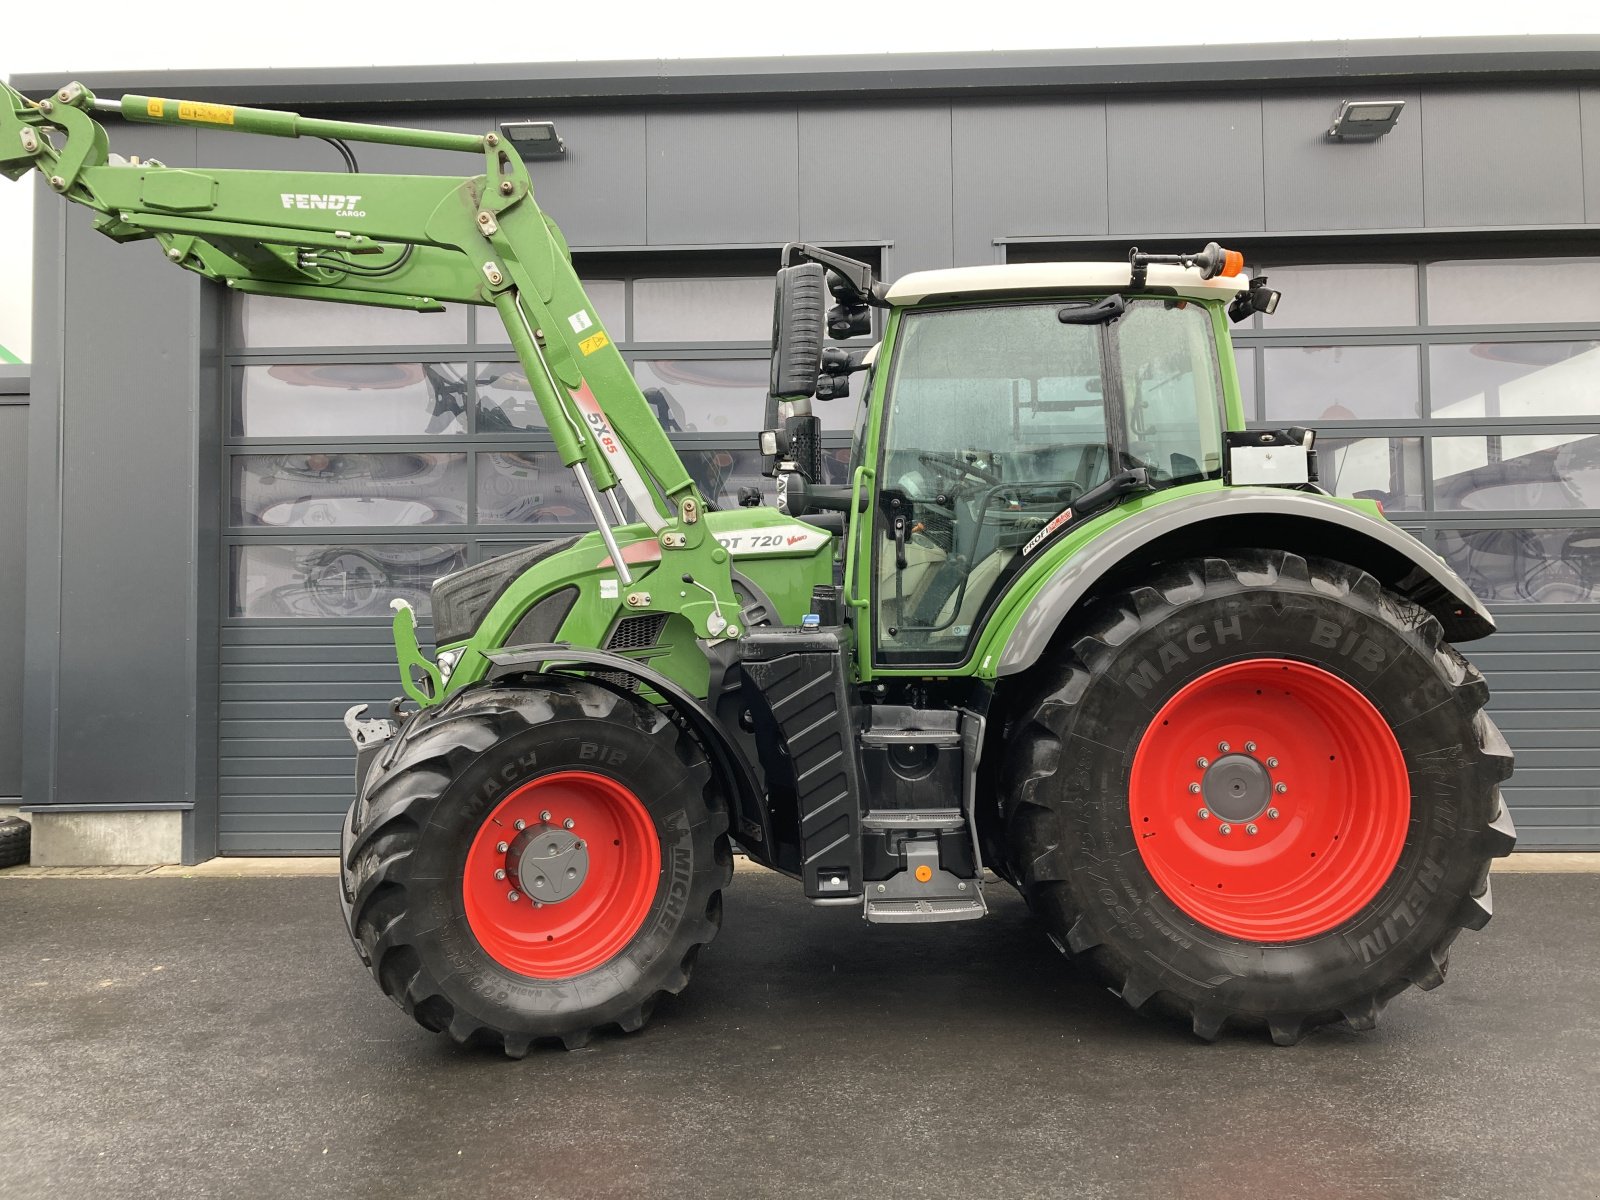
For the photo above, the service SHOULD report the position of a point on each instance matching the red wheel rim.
(620, 868)
(1297, 816)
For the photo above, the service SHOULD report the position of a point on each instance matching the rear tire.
(469, 953)
(1116, 850)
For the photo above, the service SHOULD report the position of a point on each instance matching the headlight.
(447, 661)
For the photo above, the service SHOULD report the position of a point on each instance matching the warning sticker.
(211, 114)
(579, 321)
(608, 589)
(590, 344)
(155, 107)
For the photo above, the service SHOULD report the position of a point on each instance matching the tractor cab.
(1005, 405)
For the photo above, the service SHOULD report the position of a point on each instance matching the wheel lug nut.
(519, 826)
(1202, 763)
(1272, 762)
(1194, 789)
(1204, 814)
(502, 847)
(513, 895)
(1224, 830)
(1222, 747)
(568, 823)
(500, 874)
(1272, 814)
(1249, 747)
(1280, 788)
(545, 815)
(1251, 829)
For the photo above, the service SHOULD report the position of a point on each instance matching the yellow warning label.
(155, 107)
(211, 114)
(590, 344)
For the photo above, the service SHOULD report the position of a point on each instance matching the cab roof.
(1020, 278)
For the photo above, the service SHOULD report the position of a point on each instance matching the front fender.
(1264, 517)
(752, 825)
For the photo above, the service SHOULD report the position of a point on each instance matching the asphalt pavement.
(218, 1038)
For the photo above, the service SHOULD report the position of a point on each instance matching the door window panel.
(730, 309)
(1517, 471)
(1527, 291)
(1388, 470)
(1515, 379)
(1310, 384)
(281, 321)
(1343, 297)
(1526, 566)
(706, 395)
(270, 579)
(318, 400)
(324, 488)
(528, 487)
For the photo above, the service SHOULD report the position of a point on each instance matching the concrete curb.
(1530, 863)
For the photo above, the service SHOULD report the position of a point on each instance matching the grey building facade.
(207, 501)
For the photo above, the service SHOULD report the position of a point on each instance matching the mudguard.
(1280, 518)
(752, 826)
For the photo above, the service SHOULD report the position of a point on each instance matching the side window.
(1171, 390)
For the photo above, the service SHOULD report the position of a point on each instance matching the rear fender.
(1268, 518)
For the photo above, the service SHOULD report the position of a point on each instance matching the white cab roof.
(1052, 277)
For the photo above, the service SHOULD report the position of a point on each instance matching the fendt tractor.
(1070, 622)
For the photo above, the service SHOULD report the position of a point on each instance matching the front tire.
(1258, 791)
(533, 862)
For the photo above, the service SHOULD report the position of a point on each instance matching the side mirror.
(798, 317)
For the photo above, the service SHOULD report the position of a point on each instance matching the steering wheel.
(956, 467)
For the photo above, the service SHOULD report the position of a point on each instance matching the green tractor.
(1069, 622)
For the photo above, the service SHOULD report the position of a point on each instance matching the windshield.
(998, 418)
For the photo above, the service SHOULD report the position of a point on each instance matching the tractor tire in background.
(1257, 791)
(532, 861)
(16, 837)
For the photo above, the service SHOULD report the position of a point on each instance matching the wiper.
(1105, 311)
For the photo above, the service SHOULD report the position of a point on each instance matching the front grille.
(637, 633)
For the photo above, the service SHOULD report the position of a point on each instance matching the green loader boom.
(1071, 623)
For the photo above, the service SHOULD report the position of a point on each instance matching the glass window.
(317, 400)
(703, 310)
(721, 473)
(281, 321)
(1388, 470)
(1341, 383)
(333, 487)
(528, 487)
(1526, 566)
(709, 395)
(505, 401)
(1172, 408)
(1515, 379)
(276, 580)
(1244, 361)
(1517, 471)
(608, 296)
(998, 418)
(1343, 297)
(1526, 291)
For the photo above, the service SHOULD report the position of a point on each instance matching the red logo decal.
(796, 537)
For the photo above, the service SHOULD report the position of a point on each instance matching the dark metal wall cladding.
(1544, 674)
(13, 503)
(286, 763)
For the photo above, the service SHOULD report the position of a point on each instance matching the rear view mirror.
(798, 316)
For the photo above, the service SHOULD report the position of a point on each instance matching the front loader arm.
(401, 241)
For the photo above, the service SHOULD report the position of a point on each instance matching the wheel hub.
(549, 864)
(1236, 787)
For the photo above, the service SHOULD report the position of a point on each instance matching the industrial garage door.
(369, 452)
